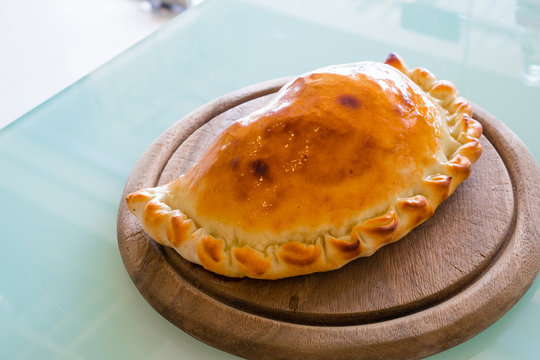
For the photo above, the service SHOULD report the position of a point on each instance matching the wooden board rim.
(518, 264)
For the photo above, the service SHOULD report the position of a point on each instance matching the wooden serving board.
(446, 281)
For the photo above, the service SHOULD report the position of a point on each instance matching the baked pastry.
(344, 160)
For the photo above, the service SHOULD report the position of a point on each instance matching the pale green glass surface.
(64, 293)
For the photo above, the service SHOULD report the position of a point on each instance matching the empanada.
(344, 160)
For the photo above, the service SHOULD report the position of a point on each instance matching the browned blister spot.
(349, 101)
(251, 262)
(178, 229)
(234, 162)
(439, 187)
(413, 203)
(417, 208)
(209, 251)
(259, 168)
(296, 253)
(154, 218)
(347, 249)
(381, 228)
(460, 167)
(154, 214)
(396, 61)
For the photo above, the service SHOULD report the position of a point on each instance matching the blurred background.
(47, 45)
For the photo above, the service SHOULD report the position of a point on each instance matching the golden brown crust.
(178, 229)
(211, 254)
(296, 253)
(268, 245)
(251, 262)
(417, 208)
(382, 229)
(346, 249)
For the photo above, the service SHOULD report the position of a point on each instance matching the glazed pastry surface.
(344, 160)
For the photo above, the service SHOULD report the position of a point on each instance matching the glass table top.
(64, 293)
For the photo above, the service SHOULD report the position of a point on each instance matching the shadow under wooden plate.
(446, 281)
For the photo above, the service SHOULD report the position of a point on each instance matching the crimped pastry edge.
(173, 228)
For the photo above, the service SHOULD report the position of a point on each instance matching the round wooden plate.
(446, 281)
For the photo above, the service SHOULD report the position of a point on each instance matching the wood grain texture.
(446, 281)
